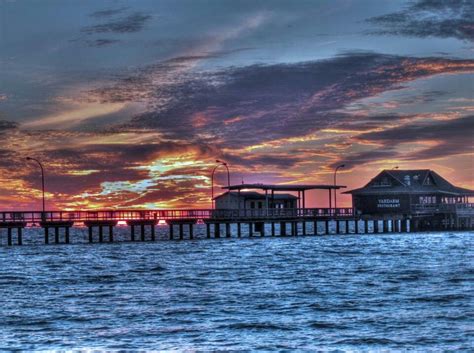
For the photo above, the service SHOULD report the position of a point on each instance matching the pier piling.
(227, 230)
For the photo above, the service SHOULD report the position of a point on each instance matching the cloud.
(428, 140)
(132, 23)
(99, 43)
(108, 12)
(430, 18)
(264, 102)
(7, 125)
(74, 114)
(451, 137)
(282, 120)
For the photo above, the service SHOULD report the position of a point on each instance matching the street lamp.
(335, 189)
(42, 177)
(219, 163)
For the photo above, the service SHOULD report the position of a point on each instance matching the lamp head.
(28, 158)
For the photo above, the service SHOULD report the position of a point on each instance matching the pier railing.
(453, 208)
(175, 214)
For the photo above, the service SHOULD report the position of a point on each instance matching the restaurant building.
(423, 196)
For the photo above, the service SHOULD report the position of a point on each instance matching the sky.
(129, 103)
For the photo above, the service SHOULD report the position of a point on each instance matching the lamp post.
(42, 179)
(335, 189)
(227, 167)
(219, 163)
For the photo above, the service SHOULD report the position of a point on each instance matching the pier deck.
(217, 222)
(35, 217)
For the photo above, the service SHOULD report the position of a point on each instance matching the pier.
(393, 201)
(181, 223)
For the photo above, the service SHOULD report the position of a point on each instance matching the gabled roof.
(253, 195)
(411, 181)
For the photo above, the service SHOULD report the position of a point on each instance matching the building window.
(427, 200)
(428, 181)
(407, 180)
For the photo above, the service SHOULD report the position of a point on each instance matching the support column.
(326, 227)
(9, 231)
(404, 226)
(208, 230)
(315, 227)
(304, 223)
(191, 234)
(152, 232)
(294, 228)
(262, 232)
(282, 228)
(357, 228)
(227, 230)
(67, 235)
(376, 226)
(132, 233)
(101, 234)
(273, 229)
(56, 235)
(338, 228)
(217, 230)
(366, 226)
(142, 232)
(90, 234)
(20, 236)
(250, 229)
(111, 234)
(181, 231)
(171, 231)
(239, 229)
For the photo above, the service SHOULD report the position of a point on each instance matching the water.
(348, 292)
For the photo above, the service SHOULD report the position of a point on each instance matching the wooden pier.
(181, 223)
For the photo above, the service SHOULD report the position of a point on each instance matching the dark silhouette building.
(423, 196)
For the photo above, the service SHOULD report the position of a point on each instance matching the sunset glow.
(135, 116)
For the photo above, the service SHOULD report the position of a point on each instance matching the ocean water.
(337, 292)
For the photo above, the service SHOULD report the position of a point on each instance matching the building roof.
(253, 195)
(410, 182)
(287, 187)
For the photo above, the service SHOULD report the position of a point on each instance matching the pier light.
(42, 178)
(335, 184)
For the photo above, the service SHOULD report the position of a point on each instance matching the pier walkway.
(274, 222)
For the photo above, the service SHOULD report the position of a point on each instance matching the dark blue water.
(348, 292)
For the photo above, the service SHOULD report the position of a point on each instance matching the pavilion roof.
(284, 187)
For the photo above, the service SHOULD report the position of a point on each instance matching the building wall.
(382, 204)
(232, 202)
(229, 202)
(394, 204)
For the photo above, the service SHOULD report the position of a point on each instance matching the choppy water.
(348, 292)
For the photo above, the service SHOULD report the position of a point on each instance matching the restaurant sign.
(388, 203)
